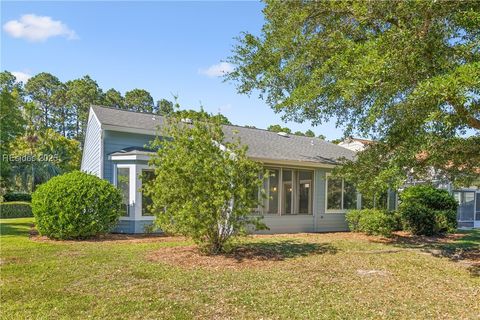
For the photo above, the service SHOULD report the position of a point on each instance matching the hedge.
(372, 221)
(17, 196)
(16, 209)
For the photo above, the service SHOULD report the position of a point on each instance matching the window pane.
(334, 194)
(349, 196)
(123, 183)
(305, 192)
(147, 175)
(287, 191)
(272, 191)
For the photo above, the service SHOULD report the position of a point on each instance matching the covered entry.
(468, 213)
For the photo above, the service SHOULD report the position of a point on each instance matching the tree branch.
(470, 120)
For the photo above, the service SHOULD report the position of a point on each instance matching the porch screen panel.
(272, 191)
(466, 201)
(305, 187)
(287, 191)
(477, 212)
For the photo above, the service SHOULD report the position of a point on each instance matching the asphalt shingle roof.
(262, 144)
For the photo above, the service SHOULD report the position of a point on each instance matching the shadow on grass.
(14, 228)
(463, 246)
(279, 250)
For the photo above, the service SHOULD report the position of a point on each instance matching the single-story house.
(302, 196)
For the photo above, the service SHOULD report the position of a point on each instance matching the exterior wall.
(115, 141)
(92, 148)
(319, 221)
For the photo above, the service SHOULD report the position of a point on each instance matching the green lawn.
(312, 276)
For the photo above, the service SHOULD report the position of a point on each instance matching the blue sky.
(163, 47)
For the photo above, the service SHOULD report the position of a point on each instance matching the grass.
(315, 276)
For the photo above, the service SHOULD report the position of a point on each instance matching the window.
(147, 175)
(349, 196)
(334, 194)
(123, 183)
(289, 191)
(341, 195)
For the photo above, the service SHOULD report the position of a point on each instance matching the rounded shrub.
(76, 205)
(425, 210)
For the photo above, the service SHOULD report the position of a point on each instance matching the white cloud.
(38, 28)
(21, 76)
(217, 70)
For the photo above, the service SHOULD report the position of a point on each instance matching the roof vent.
(187, 120)
(283, 134)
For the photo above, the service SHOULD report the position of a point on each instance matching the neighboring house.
(301, 195)
(468, 213)
(355, 144)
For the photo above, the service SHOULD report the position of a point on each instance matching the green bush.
(372, 221)
(17, 196)
(76, 205)
(425, 210)
(15, 209)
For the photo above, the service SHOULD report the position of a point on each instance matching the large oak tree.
(406, 73)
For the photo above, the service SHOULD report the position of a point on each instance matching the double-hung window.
(341, 195)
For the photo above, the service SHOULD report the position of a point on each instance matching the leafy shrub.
(17, 196)
(15, 209)
(372, 221)
(425, 210)
(76, 205)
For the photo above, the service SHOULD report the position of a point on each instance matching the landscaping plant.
(425, 210)
(372, 221)
(204, 187)
(15, 209)
(76, 205)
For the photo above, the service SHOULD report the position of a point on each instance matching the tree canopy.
(405, 73)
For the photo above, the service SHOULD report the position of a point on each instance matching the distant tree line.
(279, 128)
(46, 116)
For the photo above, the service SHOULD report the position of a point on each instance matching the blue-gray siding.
(92, 148)
(115, 141)
(134, 226)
